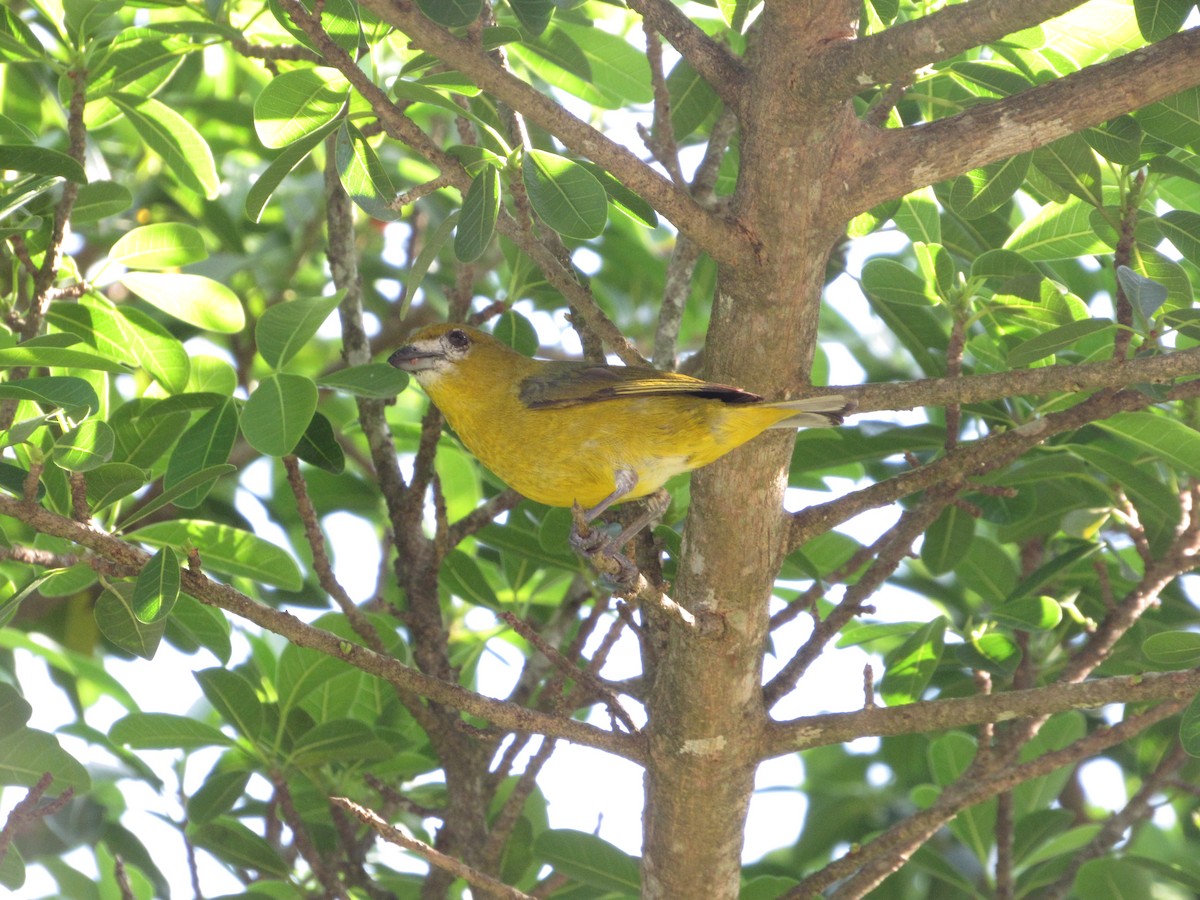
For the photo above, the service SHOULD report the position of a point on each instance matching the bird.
(586, 436)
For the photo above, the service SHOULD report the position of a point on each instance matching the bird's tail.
(814, 412)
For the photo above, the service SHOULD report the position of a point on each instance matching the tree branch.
(1137, 810)
(938, 715)
(489, 886)
(890, 163)
(712, 61)
(865, 866)
(504, 715)
(985, 455)
(719, 238)
(1021, 382)
(897, 51)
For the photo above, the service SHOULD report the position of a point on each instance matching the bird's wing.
(559, 384)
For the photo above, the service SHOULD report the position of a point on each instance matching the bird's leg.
(594, 544)
(653, 507)
(585, 540)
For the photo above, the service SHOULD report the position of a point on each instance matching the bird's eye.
(458, 339)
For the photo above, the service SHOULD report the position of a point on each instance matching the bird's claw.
(601, 551)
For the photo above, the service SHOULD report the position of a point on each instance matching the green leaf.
(948, 539)
(1056, 339)
(919, 216)
(480, 208)
(565, 195)
(1059, 231)
(693, 99)
(589, 859)
(987, 569)
(1177, 649)
(339, 20)
(534, 15)
(1071, 164)
(451, 13)
(1189, 728)
(417, 271)
(1146, 296)
(26, 755)
(161, 246)
(516, 331)
(340, 741)
(1050, 570)
(462, 576)
(950, 755)
(623, 198)
(1154, 266)
(163, 731)
(117, 622)
(217, 796)
(981, 191)
(99, 200)
(111, 482)
(85, 447)
(34, 356)
(193, 626)
(278, 412)
(910, 666)
(319, 446)
(16, 38)
(1067, 842)
(616, 67)
(14, 709)
(197, 481)
(364, 176)
(1182, 228)
(296, 104)
(1175, 120)
(234, 699)
(281, 166)
(994, 652)
(185, 153)
(139, 61)
(1029, 613)
(204, 445)
(195, 299)
(1156, 502)
(41, 161)
(1158, 19)
(226, 549)
(1112, 879)
(73, 395)
(233, 843)
(377, 381)
(1167, 439)
(1118, 140)
(284, 329)
(157, 587)
(902, 299)
(126, 334)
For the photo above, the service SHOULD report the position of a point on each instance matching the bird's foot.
(603, 553)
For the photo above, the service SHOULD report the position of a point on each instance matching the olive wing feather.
(564, 383)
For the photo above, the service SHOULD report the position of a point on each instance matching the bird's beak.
(412, 358)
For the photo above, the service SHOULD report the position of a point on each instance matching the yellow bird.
(573, 433)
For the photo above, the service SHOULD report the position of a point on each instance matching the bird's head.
(437, 351)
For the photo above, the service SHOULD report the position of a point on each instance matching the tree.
(193, 190)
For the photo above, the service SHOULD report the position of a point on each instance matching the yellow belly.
(566, 455)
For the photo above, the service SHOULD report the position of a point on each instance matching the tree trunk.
(707, 710)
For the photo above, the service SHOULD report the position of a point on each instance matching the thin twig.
(434, 857)
(27, 810)
(321, 564)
